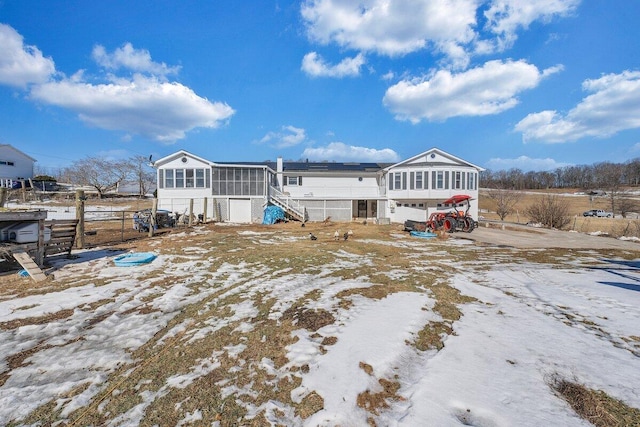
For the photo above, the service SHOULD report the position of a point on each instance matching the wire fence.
(110, 227)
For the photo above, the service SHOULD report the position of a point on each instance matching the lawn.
(259, 325)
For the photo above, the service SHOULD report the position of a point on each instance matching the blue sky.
(501, 83)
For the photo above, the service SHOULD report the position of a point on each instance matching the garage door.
(240, 210)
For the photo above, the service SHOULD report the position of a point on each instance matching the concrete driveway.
(522, 236)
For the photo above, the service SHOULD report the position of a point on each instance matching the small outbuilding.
(15, 166)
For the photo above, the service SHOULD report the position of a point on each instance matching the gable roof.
(17, 151)
(435, 153)
(176, 155)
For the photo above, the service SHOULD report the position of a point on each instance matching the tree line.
(611, 180)
(597, 176)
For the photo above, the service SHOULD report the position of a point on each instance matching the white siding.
(22, 167)
(182, 192)
(351, 187)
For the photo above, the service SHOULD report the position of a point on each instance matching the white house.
(14, 165)
(309, 191)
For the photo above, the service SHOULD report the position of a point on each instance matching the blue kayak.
(423, 234)
(133, 259)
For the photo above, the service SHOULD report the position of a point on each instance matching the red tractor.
(454, 219)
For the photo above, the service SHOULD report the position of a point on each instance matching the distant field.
(578, 203)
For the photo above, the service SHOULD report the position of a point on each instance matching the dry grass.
(235, 380)
(578, 203)
(596, 406)
(377, 401)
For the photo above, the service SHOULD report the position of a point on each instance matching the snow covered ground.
(208, 298)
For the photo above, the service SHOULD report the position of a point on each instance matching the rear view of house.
(314, 191)
(14, 166)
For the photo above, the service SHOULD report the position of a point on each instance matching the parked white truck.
(598, 212)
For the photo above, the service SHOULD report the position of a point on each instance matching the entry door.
(362, 208)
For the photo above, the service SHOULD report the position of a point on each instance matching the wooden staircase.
(290, 207)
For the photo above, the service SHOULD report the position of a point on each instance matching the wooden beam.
(28, 264)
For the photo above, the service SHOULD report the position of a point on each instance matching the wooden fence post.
(152, 220)
(122, 227)
(80, 198)
(40, 252)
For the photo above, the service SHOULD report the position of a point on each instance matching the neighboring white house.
(14, 165)
(309, 191)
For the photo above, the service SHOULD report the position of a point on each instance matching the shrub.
(550, 211)
(45, 178)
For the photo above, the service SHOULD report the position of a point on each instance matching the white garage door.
(240, 210)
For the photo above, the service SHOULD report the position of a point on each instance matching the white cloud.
(315, 66)
(21, 64)
(525, 163)
(389, 28)
(446, 27)
(506, 17)
(289, 136)
(612, 106)
(390, 75)
(481, 91)
(144, 106)
(137, 60)
(337, 151)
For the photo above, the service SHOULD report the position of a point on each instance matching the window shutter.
(299, 180)
(161, 178)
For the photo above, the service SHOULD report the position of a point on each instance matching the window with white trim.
(438, 180)
(419, 180)
(293, 180)
(185, 178)
(397, 181)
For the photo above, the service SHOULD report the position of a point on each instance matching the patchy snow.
(529, 322)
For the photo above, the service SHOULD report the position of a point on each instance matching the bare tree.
(53, 172)
(610, 176)
(505, 200)
(550, 211)
(102, 174)
(627, 205)
(143, 174)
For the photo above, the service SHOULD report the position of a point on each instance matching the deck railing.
(289, 205)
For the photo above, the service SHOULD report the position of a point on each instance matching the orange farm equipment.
(449, 220)
(453, 219)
